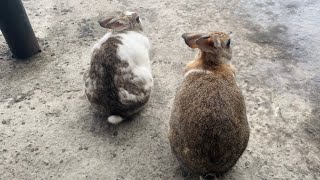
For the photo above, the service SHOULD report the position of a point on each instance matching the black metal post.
(17, 30)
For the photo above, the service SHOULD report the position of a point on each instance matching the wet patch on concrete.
(272, 36)
(285, 67)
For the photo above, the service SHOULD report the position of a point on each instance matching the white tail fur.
(115, 119)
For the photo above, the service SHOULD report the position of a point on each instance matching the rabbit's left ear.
(208, 42)
(104, 22)
(114, 23)
(191, 38)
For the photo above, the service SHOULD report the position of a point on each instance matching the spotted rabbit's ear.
(191, 38)
(103, 23)
(114, 23)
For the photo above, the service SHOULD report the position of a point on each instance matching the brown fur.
(208, 125)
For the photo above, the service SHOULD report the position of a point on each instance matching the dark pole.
(17, 30)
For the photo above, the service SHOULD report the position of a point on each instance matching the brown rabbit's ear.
(114, 23)
(191, 38)
(207, 42)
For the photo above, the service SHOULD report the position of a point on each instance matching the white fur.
(126, 96)
(198, 71)
(144, 74)
(135, 50)
(115, 119)
(128, 13)
(100, 42)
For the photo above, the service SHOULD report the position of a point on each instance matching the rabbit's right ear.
(113, 23)
(191, 38)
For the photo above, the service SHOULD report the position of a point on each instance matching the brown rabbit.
(209, 130)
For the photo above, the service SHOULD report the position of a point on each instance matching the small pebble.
(247, 163)
(86, 148)
(63, 150)
(80, 148)
(4, 122)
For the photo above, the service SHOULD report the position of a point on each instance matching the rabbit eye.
(228, 43)
(138, 19)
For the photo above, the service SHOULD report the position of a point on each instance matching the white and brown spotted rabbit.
(119, 79)
(209, 130)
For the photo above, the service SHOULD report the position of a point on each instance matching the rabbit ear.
(208, 42)
(191, 38)
(104, 22)
(114, 23)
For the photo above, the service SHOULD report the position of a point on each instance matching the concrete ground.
(48, 131)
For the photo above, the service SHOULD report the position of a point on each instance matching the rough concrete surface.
(49, 131)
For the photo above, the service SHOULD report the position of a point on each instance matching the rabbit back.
(119, 79)
(208, 126)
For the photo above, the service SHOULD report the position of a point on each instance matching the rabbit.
(208, 127)
(119, 79)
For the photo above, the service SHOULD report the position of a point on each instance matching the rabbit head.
(215, 43)
(126, 21)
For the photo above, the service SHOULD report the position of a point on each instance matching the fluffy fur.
(208, 126)
(119, 79)
(115, 119)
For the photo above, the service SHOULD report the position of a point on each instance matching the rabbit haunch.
(133, 49)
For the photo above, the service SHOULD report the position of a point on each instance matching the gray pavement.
(49, 131)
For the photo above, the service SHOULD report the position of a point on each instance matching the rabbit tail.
(115, 119)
